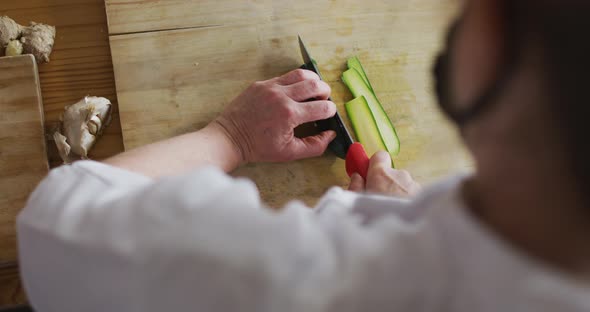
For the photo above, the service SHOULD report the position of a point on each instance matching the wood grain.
(11, 291)
(23, 156)
(149, 15)
(173, 81)
(80, 65)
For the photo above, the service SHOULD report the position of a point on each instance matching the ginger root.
(82, 124)
(9, 30)
(37, 39)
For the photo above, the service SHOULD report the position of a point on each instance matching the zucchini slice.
(354, 80)
(355, 63)
(364, 125)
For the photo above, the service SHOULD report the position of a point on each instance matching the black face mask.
(442, 75)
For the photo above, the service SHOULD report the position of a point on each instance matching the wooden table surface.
(179, 63)
(80, 65)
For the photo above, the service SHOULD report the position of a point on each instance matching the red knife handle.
(357, 161)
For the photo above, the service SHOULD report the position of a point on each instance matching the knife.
(343, 145)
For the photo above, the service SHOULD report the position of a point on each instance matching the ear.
(478, 50)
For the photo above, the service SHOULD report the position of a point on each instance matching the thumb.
(357, 183)
(378, 177)
(380, 160)
(312, 146)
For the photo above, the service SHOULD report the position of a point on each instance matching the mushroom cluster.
(82, 124)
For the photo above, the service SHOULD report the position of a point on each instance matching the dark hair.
(560, 30)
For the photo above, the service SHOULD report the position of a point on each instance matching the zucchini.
(355, 82)
(364, 125)
(355, 63)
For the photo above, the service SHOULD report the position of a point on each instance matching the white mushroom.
(83, 123)
(62, 147)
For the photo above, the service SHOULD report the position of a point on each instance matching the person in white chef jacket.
(164, 228)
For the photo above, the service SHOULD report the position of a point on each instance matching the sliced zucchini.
(364, 125)
(355, 63)
(353, 79)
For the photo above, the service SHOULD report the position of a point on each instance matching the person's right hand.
(382, 179)
(261, 120)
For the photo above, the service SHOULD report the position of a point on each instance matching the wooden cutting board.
(178, 63)
(23, 157)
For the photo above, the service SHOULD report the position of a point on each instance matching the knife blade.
(343, 140)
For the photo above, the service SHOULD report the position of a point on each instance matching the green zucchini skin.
(364, 125)
(358, 87)
(355, 63)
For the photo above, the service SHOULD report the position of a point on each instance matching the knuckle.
(287, 111)
(274, 95)
(257, 85)
(314, 75)
(314, 85)
(325, 87)
(326, 108)
(319, 86)
(300, 73)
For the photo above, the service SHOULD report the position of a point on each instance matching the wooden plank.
(173, 81)
(149, 15)
(11, 288)
(80, 65)
(23, 157)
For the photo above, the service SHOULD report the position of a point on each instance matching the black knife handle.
(343, 141)
(340, 145)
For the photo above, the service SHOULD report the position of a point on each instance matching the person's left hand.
(261, 120)
(382, 179)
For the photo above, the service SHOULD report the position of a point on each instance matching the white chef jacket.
(97, 238)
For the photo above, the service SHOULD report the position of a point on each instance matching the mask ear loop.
(442, 72)
(488, 97)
